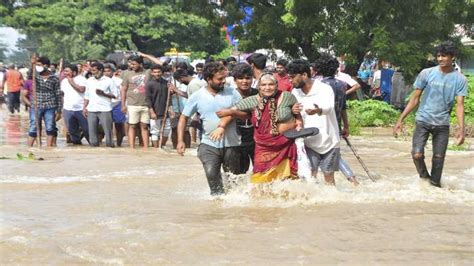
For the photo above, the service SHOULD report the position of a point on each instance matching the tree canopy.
(90, 29)
(403, 32)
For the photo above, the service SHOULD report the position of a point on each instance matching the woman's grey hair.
(267, 76)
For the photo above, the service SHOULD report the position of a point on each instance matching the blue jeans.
(48, 115)
(440, 135)
(76, 125)
(345, 169)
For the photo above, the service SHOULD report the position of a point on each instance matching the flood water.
(83, 205)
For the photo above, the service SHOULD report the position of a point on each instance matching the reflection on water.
(117, 206)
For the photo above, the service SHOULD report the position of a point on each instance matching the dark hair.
(147, 65)
(259, 60)
(222, 61)
(156, 66)
(299, 66)
(123, 67)
(166, 67)
(44, 60)
(182, 65)
(447, 48)
(230, 59)
(201, 65)
(210, 69)
(55, 65)
(72, 67)
(98, 65)
(136, 58)
(112, 62)
(241, 70)
(109, 66)
(180, 73)
(282, 62)
(326, 65)
(208, 60)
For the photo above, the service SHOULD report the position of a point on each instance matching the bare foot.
(353, 180)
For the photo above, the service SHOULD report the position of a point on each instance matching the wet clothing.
(433, 115)
(46, 115)
(275, 155)
(224, 152)
(207, 105)
(439, 93)
(212, 159)
(440, 137)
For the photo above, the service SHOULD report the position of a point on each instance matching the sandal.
(305, 132)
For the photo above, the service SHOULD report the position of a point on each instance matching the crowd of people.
(241, 114)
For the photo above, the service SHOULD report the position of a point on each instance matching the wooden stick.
(60, 69)
(35, 97)
(174, 80)
(163, 122)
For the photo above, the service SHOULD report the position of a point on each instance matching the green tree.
(92, 29)
(402, 32)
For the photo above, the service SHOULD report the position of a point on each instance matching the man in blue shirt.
(437, 87)
(223, 152)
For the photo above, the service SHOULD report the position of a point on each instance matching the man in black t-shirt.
(157, 97)
(242, 74)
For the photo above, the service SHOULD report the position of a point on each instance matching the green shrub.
(371, 113)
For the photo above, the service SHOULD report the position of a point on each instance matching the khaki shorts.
(138, 114)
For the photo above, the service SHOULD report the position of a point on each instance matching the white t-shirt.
(99, 103)
(73, 100)
(322, 95)
(346, 78)
(194, 85)
(117, 84)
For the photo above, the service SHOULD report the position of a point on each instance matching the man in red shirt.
(14, 81)
(284, 83)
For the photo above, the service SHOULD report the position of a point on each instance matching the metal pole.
(359, 159)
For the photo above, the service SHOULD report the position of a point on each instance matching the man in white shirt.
(118, 117)
(353, 85)
(98, 104)
(73, 87)
(316, 105)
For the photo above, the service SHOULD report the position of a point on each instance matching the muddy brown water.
(83, 205)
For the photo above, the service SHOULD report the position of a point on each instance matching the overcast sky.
(9, 36)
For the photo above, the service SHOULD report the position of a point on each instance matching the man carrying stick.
(48, 101)
(157, 98)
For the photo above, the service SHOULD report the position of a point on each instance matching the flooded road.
(116, 206)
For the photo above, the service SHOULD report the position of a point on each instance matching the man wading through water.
(441, 85)
(207, 101)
